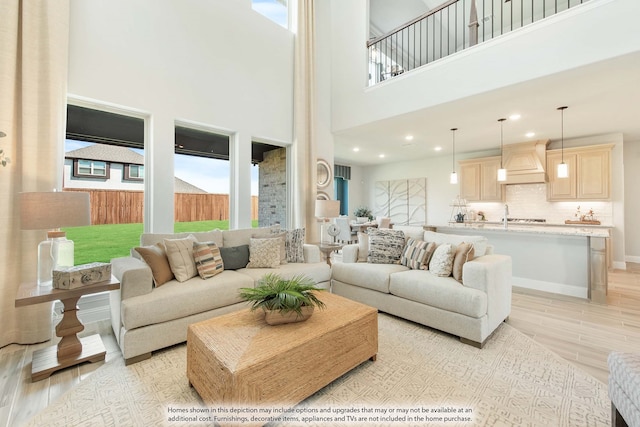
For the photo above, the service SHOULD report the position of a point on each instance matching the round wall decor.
(324, 173)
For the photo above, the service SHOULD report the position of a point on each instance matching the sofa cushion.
(441, 263)
(479, 242)
(319, 272)
(365, 275)
(264, 253)
(385, 246)
(363, 246)
(441, 292)
(147, 239)
(174, 300)
(180, 254)
(156, 259)
(235, 257)
(242, 236)
(208, 259)
(464, 253)
(417, 253)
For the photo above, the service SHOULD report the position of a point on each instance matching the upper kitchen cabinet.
(479, 180)
(589, 173)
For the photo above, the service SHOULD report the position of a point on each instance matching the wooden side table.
(327, 248)
(71, 350)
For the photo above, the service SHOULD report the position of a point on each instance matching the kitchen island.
(564, 259)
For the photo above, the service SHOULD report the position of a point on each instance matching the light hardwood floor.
(582, 332)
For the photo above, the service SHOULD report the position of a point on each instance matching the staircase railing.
(450, 28)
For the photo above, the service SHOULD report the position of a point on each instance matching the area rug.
(421, 377)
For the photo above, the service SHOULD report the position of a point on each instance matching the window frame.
(92, 175)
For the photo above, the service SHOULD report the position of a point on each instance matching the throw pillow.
(385, 246)
(363, 246)
(441, 262)
(282, 236)
(464, 253)
(416, 253)
(156, 259)
(180, 254)
(208, 259)
(235, 257)
(264, 253)
(294, 245)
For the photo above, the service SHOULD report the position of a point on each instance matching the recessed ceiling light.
(381, 156)
(409, 137)
(438, 148)
(514, 116)
(530, 134)
(356, 149)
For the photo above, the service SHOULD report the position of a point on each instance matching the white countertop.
(556, 229)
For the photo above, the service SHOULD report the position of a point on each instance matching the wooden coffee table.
(237, 359)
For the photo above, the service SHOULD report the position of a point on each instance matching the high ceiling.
(603, 98)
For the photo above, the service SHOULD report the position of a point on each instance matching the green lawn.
(101, 243)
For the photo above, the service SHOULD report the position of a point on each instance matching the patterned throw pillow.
(385, 246)
(180, 254)
(282, 236)
(264, 253)
(441, 262)
(417, 253)
(208, 259)
(294, 245)
(464, 253)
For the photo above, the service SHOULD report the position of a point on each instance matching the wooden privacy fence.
(126, 207)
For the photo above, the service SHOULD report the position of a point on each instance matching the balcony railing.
(450, 28)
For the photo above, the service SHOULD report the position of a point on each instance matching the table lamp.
(50, 211)
(326, 209)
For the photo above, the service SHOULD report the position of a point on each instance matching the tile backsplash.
(530, 201)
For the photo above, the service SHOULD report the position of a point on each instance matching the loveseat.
(471, 305)
(152, 310)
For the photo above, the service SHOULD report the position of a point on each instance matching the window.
(134, 172)
(91, 168)
(276, 10)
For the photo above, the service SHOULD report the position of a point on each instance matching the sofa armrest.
(350, 253)
(311, 253)
(492, 275)
(134, 275)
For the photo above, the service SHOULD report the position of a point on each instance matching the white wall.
(570, 31)
(214, 63)
(631, 200)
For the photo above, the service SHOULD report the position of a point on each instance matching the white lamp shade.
(49, 210)
(327, 208)
(453, 179)
(502, 175)
(563, 170)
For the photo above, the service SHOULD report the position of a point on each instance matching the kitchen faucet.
(506, 213)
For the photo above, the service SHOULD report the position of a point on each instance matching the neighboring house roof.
(107, 153)
(124, 155)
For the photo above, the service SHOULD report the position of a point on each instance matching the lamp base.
(55, 252)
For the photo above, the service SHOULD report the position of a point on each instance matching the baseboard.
(620, 265)
(634, 259)
(91, 308)
(551, 287)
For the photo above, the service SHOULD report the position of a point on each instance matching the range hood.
(525, 162)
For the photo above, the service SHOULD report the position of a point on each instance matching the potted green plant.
(363, 214)
(283, 300)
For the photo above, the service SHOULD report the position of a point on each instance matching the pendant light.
(563, 168)
(453, 179)
(502, 172)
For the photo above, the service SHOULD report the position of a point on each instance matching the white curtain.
(304, 150)
(34, 44)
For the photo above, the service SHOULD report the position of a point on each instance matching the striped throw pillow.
(208, 259)
(417, 253)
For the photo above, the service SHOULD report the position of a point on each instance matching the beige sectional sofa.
(146, 318)
(471, 308)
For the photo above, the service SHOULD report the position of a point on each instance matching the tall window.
(276, 10)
